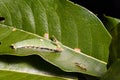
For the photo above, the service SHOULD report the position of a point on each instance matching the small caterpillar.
(38, 44)
(42, 49)
(80, 66)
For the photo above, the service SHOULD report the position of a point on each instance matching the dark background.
(100, 7)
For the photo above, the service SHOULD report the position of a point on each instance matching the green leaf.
(110, 23)
(67, 59)
(27, 68)
(113, 26)
(11, 75)
(113, 72)
(71, 24)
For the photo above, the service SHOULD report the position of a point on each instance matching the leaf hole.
(2, 18)
(12, 47)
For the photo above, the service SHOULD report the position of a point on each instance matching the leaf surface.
(68, 59)
(27, 68)
(71, 24)
(113, 26)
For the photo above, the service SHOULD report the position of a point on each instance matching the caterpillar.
(37, 44)
(42, 49)
(80, 66)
